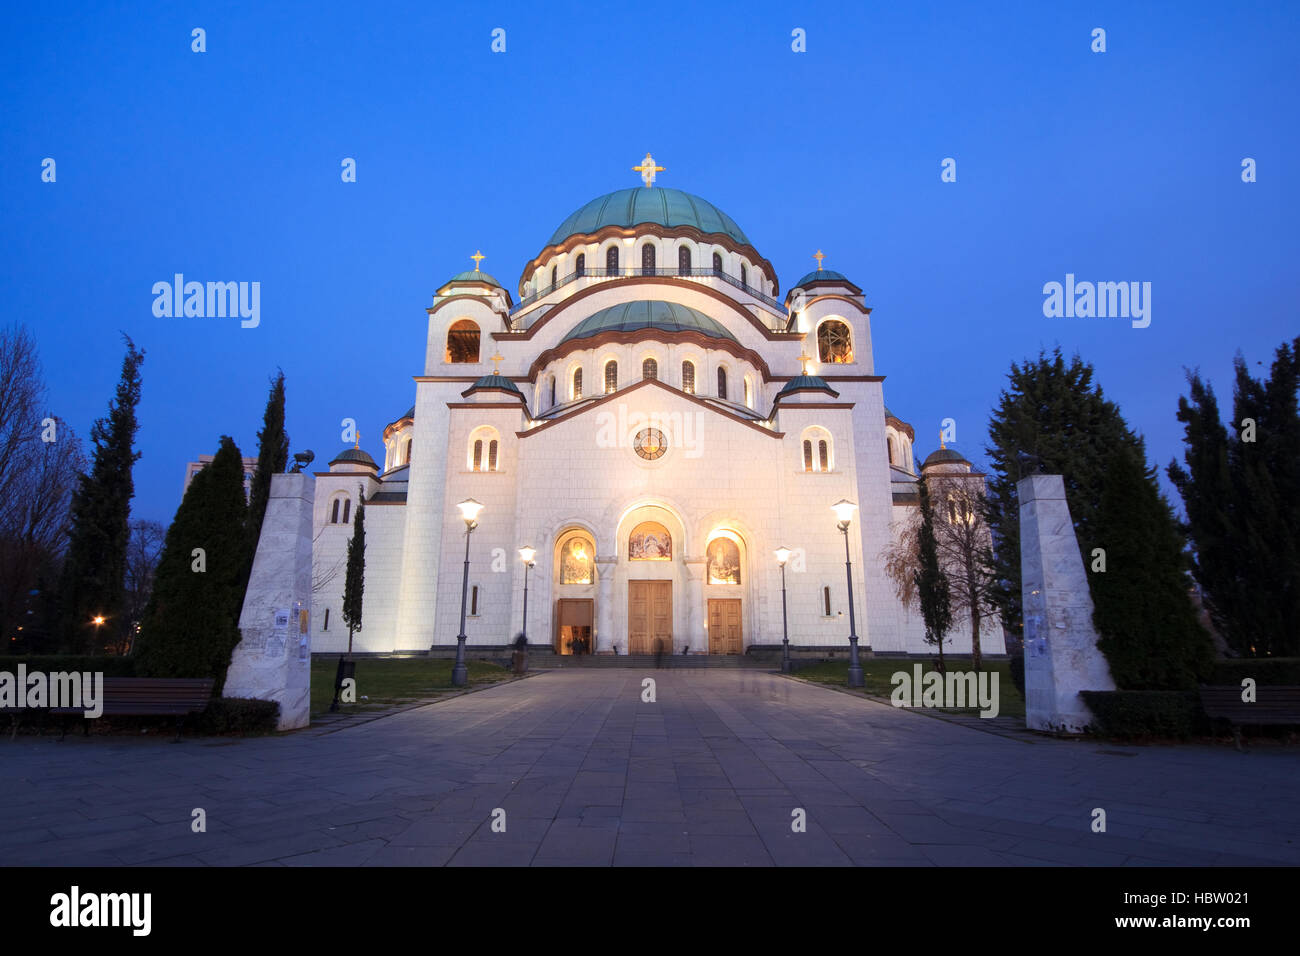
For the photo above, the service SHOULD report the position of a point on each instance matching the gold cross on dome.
(941, 444)
(819, 257)
(357, 442)
(805, 358)
(647, 169)
(477, 257)
(496, 362)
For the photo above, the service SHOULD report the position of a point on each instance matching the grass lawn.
(387, 682)
(876, 673)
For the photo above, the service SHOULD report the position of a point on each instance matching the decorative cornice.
(674, 281)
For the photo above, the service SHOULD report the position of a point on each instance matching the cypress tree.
(1053, 419)
(272, 459)
(1239, 488)
(1147, 626)
(354, 584)
(191, 624)
(93, 579)
(931, 582)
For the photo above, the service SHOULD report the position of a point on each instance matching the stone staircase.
(647, 661)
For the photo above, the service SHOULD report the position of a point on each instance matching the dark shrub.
(238, 715)
(1146, 713)
(1279, 671)
(110, 666)
(1017, 667)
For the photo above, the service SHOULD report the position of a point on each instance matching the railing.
(778, 325)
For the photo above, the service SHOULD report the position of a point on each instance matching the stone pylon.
(1061, 655)
(273, 658)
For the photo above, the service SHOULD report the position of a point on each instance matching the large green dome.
(664, 207)
(647, 314)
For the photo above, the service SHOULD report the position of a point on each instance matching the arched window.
(723, 562)
(611, 260)
(824, 455)
(649, 368)
(483, 449)
(552, 405)
(834, 342)
(555, 275)
(648, 258)
(462, 341)
(650, 541)
(478, 455)
(577, 560)
(722, 383)
(347, 509)
(334, 515)
(611, 376)
(327, 620)
(688, 378)
(744, 275)
(580, 267)
(408, 451)
(826, 601)
(889, 448)
(807, 456)
(683, 261)
(749, 394)
(717, 264)
(492, 454)
(577, 384)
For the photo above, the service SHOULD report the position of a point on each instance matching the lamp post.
(844, 511)
(469, 511)
(527, 554)
(782, 556)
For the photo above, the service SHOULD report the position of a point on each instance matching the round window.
(650, 443)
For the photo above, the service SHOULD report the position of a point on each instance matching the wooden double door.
(724, 626)
(649, 617)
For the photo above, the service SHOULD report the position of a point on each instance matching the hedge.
(1017, 667)
(238, 715)
(1147, 713)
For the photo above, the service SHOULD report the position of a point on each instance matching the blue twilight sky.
(225, 165)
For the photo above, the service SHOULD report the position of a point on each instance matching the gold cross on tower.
(647, 169)
(819, 257)
(477, 257)
(941, 444)
(805, 358)
(496, 362)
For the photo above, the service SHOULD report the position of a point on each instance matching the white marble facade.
(737, 476)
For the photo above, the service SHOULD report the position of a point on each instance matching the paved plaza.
(588, 774)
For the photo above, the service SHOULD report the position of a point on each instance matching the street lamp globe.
(844, 510)
(469, 510)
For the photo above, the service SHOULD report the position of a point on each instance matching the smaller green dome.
(494, 381)
(824, 275)
(648, 314)
(355, 455)
(802, 383)
(942, 456)
(474, 275)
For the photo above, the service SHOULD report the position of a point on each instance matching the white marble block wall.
(270, 662)
(1061, 655)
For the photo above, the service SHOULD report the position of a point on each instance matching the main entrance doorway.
(649, 617)
(573, 619)
(724, 626)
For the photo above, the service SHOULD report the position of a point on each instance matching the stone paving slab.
(589, 775)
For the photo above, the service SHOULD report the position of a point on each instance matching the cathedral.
(630, 444)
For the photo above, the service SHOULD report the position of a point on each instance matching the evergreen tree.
(1051, 419)
(272, 459)
(191, 624)
(1146, 623)
(92, 584)
(1239, 488)
(354, 584)
(931, 582)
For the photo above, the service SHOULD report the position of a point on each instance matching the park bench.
(1278, 706)
(141, 697)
